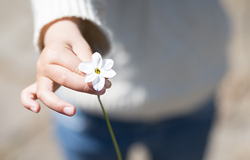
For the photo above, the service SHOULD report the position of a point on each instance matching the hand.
(64, 50)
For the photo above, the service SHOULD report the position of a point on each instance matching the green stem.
(111, 131)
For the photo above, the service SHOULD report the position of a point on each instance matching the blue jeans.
(86, 137)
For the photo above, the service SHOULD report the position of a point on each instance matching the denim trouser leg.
(86, 137)
(182, 138)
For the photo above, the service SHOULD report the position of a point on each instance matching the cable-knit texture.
(46, 11)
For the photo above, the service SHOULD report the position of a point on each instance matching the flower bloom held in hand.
(97, 70)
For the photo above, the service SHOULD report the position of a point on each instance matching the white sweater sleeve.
(46, 11)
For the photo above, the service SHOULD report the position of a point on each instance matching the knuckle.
(63, 79)
(51, 52)
(23, 97)
(77, 71)
(23, 94)
(88, 49)
(40, 65)
(49, 55)
(51, 48)
(40, 94)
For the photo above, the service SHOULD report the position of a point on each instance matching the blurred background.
(28, 136)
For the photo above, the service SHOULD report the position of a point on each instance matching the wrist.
(61, 31)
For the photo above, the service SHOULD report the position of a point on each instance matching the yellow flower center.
(97, 71)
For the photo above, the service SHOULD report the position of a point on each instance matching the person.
(169, 57)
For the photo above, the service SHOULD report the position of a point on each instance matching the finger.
(28, 97)
(108, 84)
(48, 97)
(71, 80)
(82, 49)
(64, 57)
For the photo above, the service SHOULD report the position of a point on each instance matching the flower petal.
(86, 67)
(107, 64)
(108, 73)
(98, 83)
(96, 60)
(90, 77)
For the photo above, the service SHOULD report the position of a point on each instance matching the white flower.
(97, 70)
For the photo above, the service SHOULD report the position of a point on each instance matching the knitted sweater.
(169, 55)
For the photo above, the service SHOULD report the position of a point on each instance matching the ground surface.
(28, 136)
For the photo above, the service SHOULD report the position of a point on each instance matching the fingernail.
(69, 111)
(107, 84)
(33, 109)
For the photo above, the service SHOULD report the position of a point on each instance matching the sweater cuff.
(47, 11)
